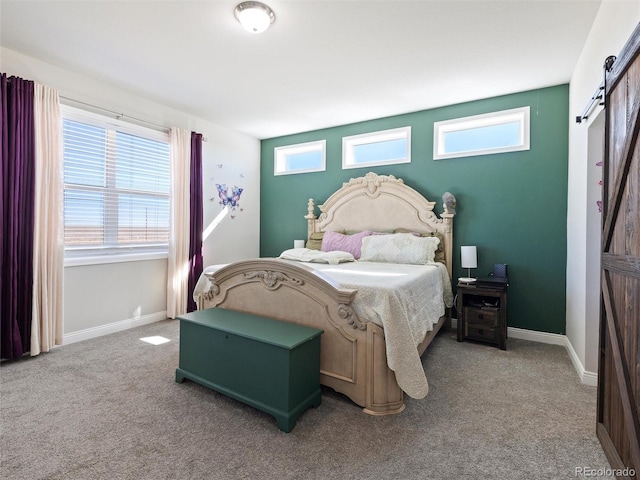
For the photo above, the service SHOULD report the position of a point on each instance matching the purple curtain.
(17, 194)
(195, 228)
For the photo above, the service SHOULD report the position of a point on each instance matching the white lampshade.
(468, 257)
(255, 17)
(468, 260)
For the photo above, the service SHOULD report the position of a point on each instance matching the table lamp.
(468, 260)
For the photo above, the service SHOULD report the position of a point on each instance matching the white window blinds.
(116, 186)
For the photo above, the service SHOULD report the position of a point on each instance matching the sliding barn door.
(619, 363)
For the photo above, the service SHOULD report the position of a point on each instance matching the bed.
(366, 352)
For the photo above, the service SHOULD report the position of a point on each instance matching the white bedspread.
(406, 300)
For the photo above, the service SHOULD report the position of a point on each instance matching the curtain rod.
(121, 115)
(117, 114)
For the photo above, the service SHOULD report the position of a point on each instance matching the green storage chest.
(271, 365)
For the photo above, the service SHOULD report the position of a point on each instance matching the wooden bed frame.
(353, 353)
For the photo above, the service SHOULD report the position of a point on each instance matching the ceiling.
(322, 63)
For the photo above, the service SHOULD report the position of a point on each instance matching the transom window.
(116, 186)
(384, 147)
(496, 132)
(300, 158)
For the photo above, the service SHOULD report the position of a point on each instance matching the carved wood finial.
(311, 207)
(311, 217)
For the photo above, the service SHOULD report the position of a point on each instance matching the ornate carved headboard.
(381, 203)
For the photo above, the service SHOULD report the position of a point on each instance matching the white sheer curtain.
(178, 268)
(48, 242)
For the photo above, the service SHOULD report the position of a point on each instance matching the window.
(300, 158)
(497, 132)
(377, 148)
(116, 187)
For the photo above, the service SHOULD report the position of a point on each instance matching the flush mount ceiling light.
(255, 17)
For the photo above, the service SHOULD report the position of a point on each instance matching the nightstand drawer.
(480, 318)
(481, 333)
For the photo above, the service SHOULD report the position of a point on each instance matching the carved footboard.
(353, 357)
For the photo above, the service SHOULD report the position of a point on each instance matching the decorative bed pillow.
(399, 248)
(309, 255)
(344, 243)
(439, 256)
(315, 241)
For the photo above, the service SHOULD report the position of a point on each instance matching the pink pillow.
(333, 241)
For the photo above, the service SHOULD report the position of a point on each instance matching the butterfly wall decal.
(232, 200)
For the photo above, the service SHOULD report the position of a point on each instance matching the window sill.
(102, 259)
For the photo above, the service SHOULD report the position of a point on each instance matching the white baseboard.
(540, 337)
(588, 378)
(95, 332)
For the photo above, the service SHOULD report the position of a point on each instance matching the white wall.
(104, 298)
(613, 25)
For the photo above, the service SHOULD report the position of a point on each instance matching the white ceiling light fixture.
(255, 17)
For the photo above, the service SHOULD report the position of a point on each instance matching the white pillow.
(308, 255)
(399, 248)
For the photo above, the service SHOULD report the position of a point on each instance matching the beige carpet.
(109, 408)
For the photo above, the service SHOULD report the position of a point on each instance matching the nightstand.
(482, 314)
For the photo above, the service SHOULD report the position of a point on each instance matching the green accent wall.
(512, 206)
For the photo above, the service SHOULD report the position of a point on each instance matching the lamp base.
(466, 280)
